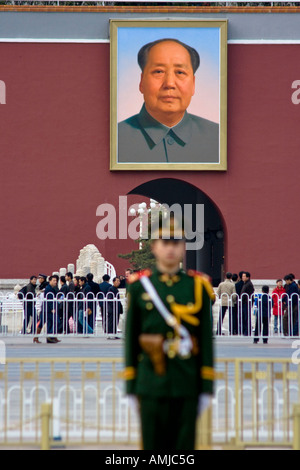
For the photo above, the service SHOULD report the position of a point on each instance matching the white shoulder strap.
(167, 316)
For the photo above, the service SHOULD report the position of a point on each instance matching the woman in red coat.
(277, 294)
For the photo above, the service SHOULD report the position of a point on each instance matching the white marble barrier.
(90, 260)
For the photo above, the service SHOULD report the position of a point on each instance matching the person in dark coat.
(28, 295)
(85, 307)
(290, 302)
(246, 299)
(265, 304)
(93, 285)
(104, 288)
(105, 285)
(43, 283)
(62, 306)
(70, 304)
(240, 283)
(114, 309)
(40, 291)
(238, 288)
(95, 290)
(71, 285)
(122, 282)
(49, 312)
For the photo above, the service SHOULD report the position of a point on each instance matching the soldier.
(168, 346)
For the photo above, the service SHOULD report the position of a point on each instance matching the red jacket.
(276, 296)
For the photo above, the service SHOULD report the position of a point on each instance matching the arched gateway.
(210, 258)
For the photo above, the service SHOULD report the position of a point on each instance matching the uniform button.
(170, 140)
(170, 299)
(146, 296)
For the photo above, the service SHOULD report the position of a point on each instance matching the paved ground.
(70, 347)
(23, 347)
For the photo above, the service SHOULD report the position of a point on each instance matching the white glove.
(204, 402)
(133, 403)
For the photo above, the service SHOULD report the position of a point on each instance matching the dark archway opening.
(211, 258)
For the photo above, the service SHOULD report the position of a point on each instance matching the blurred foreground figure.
(168, 346)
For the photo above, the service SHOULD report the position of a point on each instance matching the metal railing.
(254, 404)
(61, 315)
(260, 315)
(244, 316)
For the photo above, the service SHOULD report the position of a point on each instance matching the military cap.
(168, 227)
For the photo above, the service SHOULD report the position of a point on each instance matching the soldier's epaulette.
(193, 273)
(137, 276)
(206, 281)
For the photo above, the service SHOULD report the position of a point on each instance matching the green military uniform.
(169, 399)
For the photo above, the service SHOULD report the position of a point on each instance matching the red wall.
(55, 158)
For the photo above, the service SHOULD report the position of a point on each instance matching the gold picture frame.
(127, 151)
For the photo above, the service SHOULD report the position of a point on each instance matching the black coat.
(94, 287)
(248, 289)
(104, 287)
(114, 293)
(84, 295)
(28, 294)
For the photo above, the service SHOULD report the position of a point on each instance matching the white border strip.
(56, 41)
(107, 41)
(263, 41)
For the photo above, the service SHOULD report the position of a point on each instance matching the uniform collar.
(157, 131)
(168, 278)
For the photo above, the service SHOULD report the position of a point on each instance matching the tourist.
(277, 295)
(235, 322)
(95, 290)
(48, 313)
(247, 300)
(263, 316)
(104, 288)
(28, 295)
(85, 307)
(225, 292)
(290, 301)
(114, 309)
(71, 285)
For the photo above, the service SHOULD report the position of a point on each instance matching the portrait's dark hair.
(106, 277)
(69, 274)
(234, 277)
(278, 280)
(288, 277)
(228, 275)
(63, 279)
(265, 289)
(82, 279)
(115, 278)
(90, 276)
(144, 51)
(247, 274)
(33, 277)
(240, 274)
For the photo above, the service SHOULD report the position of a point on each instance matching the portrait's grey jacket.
(142, 139)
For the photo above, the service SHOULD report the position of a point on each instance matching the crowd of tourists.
(237, 296)
(68, 304)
